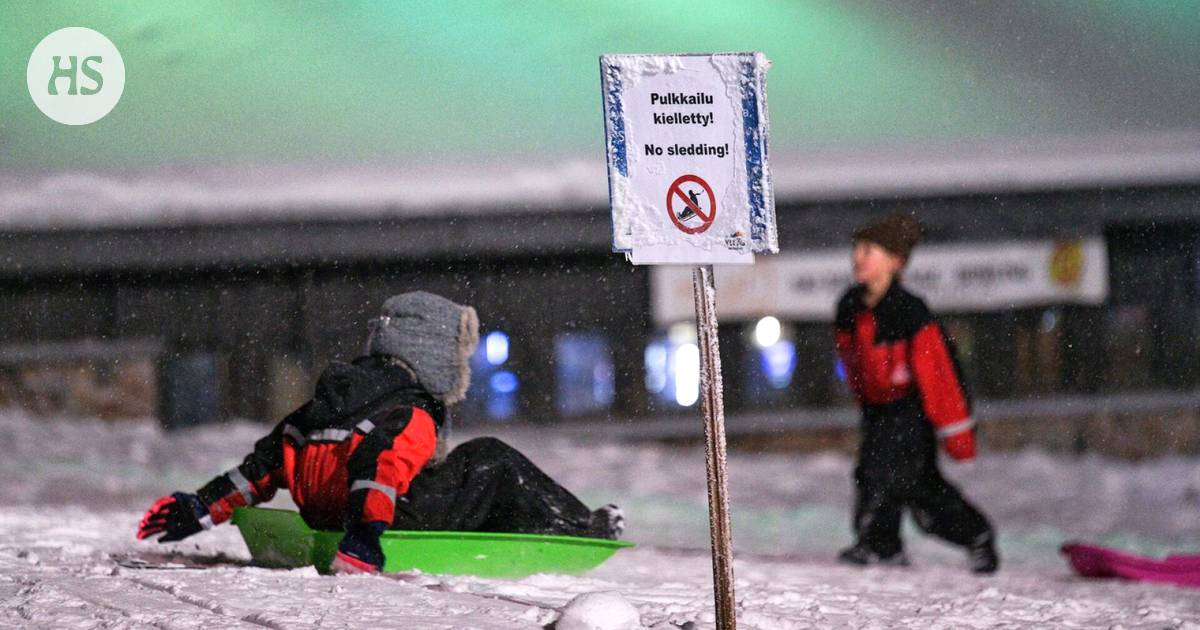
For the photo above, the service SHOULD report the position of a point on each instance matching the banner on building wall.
(975, 277)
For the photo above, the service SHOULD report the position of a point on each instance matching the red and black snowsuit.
(902, 369)
(359, 452)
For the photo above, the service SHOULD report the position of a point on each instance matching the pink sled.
(1101, 562)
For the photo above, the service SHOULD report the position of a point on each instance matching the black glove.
(179, 515)
(359, 551)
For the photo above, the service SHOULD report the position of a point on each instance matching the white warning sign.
(687, 157)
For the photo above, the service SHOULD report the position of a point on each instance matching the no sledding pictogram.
(691, 217)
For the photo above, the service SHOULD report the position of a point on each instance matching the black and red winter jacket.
(898, 350)
(346, 455)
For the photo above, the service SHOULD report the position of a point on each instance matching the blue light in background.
(584, 373)
(493, 393)
(779, 363)
(504, 382)
(604, 388)
(502, 398)
(839, 368)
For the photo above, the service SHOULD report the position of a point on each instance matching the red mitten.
(960, 446)
(176, 516)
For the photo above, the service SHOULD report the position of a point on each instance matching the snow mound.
(599, 611)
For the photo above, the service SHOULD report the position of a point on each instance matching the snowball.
(599, 611)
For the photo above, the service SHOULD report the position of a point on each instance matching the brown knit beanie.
(898, 233)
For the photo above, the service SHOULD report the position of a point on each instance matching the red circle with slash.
(676, 195)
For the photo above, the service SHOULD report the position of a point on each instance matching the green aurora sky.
(222, 82)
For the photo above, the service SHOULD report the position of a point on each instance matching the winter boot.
(983, 556)
(609, 522)
(862, 555)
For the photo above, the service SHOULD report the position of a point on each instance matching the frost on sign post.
(689, 184)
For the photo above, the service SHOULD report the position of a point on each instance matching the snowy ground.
(71, 493)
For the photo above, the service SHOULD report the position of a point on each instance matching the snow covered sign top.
(687, 157)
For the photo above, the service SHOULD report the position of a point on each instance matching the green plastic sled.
(281, 539)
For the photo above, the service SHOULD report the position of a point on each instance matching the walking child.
(361, 455)
(903, 371)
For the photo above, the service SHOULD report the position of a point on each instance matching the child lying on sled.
(363, 454)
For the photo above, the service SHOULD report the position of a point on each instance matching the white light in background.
(656, 367)
(682, 333)
(496, 347)
(767, 332)
(687, 374)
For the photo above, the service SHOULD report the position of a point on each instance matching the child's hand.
(178, 516)
(960, 446)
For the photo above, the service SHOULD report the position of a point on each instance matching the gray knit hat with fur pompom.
(433, 336)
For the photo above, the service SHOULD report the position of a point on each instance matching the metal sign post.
(712, 407)
(689, 185)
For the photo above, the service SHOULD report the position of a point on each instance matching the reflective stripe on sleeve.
(322, 435)
(294, 433)
(365, 484)
(242, 484)
(329, 435)
(956, 428)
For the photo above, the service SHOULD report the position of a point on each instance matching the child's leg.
(486, 485)
(937, 505)
(940, 509)
(886, 469)
(876, 516)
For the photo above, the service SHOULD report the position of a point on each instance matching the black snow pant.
(897, 469)
(485, 485)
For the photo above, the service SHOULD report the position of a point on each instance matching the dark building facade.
(234, 320)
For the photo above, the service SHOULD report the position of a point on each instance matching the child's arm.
(844, 341)
(255, 480)
(380, 469)
(942, 394)
(843, 336)
(388, 458)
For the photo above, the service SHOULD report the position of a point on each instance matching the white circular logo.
(75, 75)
